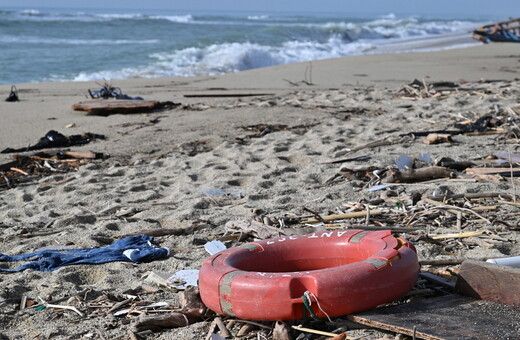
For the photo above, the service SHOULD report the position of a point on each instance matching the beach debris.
(50, 305)
(54, 139)
(158, 279)
(421, 318)
(108, 91)
(506, 261)
(504, 31)
(420, 89)
(513, 172)
(318, 332)
(281, 331)
(190, 301)
(223, 192)
(417, 175)
(192, 310)
(115, 106)
(490, 281)
(137, 249)
(254, 228)
(162, 321)
(13, 96)
(26, 168)
(214, 247)
(183, 278)
(437, 138)
(151, 307)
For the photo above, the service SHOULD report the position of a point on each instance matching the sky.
(466, 8)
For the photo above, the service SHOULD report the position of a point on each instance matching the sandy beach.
(255, 145)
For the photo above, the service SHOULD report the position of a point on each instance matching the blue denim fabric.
(137, 248)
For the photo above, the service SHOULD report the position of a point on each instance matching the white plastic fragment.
(507, 261)
(379, 187)
(214, 247)
(153, 305)
(184, 278)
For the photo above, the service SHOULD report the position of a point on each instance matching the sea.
(59, 44)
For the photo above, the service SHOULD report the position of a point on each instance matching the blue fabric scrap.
(138, 248)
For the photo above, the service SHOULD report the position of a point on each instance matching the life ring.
(335, 272)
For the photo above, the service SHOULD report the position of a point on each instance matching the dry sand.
(161, 163)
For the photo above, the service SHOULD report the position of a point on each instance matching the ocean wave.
(39, 16)
(257, 17)
(57, 41)
(220, 59)
(391, 28)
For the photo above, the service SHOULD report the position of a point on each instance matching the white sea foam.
(232, 57)
(56, 41)
(258, 17)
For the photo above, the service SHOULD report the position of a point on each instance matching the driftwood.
(437, 138)
(191, 304)
(488, 281)
(417, 175)
(281, 331)
(158, 322)
(356, 214)
(108, 106)
(476, 195)
(515, 172)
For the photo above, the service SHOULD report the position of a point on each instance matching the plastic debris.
(184, 278)
(214, 247)
(507, 261)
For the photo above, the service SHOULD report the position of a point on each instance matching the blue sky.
(466, 8)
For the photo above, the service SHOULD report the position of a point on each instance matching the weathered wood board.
(113, 106)
(489, 281)
(447, 317)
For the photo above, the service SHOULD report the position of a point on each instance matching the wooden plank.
(489, 281)
(111, 106)
(437, 279)
(446, 317)
(488, 171)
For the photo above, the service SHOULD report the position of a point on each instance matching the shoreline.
(46, 106)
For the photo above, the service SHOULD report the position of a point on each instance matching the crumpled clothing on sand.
(138, 248)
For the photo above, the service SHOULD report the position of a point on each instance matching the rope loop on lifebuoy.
(307, 303)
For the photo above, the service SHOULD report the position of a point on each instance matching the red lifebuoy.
(346, 271)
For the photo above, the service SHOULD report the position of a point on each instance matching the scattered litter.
(223, 192)
(26, 168)
(54, 139)
(138, 308)
(157, 279)
(108, 91)
(184, 278)
(507, 261)
(136, 249)
(214, 247)
(437, 138)
(115, 106)
(378, 187)
(13, 96)
(404, 162)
